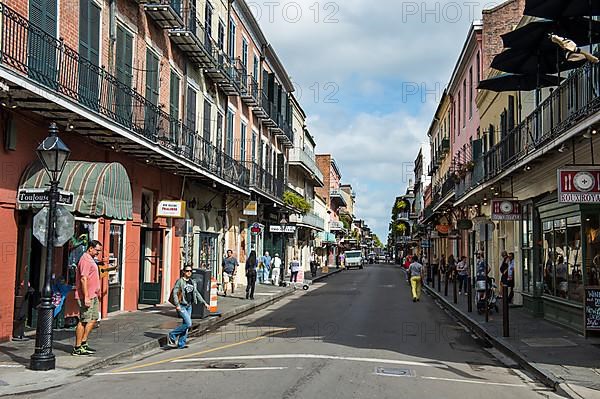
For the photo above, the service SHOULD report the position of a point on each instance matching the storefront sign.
(251, 208)
(255, 228)
(464, 224)
(42, 196)
(442, 228)
(282, 229)
(503, 209)
(592, 309)
(580, 185)
(334, 225)
(171, 209)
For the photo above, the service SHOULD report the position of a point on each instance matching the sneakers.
(80, 352)
(171, 342)
(414, 299)
(87, 348)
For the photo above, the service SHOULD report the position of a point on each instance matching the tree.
(377, 241)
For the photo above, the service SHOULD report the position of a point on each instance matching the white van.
(353, 259)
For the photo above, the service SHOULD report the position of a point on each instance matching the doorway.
(151, 266)
(115, 260)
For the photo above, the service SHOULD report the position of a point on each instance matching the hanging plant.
(297, 202)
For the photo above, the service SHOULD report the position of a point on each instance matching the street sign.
(42, 196)
(63, 229)
(282, 229)
(256, 228)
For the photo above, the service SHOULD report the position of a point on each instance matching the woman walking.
(184, 294)
(251, 265)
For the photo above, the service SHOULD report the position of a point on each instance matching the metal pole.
(43, 359)
(455, 288)
(439, 273)
(505, 322)
(470, 295)
(446, 281)
(429, 258)
(485, 271)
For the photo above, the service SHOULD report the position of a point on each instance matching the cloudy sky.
(369, 76)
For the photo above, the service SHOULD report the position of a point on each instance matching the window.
(243, 129)
(256, 67)
(229, 139)
(471, 88)
(562, 257)
(478, 68)
(254, 138)
(464, 103)
(208, 12)
(231, 39)
(221, 36)
(527, 247)
(174, 105)
(245, 53)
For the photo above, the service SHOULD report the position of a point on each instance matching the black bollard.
(433, 278)
(486, 296)
(455, 288)
(505, 321)
(445, 284)
(439, 280)
(470, 296)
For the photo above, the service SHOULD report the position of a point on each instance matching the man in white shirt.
(276, 263)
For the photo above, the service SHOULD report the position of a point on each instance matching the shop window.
(527, 247)
(208, 247)
(548, 258)
(147, 207)
(115, 256)
(574, 277)
(77, 245)
(592, 257)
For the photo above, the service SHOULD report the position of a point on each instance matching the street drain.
(394, 372)
(226, 366)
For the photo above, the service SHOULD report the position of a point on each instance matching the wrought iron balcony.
(32, 58)
(225, 73)
(264, 181)
(166, 13)
(306, 160)
(249, 93)
(336, 196)
(261, 109)
(194, 40)
(310, 219)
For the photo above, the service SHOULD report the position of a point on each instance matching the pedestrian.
(511, 276)
(343, 260)
(451, 268)
(416, 278)
(87, 289)
(503, 271)
(313, 265)
(230, 264)
(184, 294)
(462, 268)
(266, 261)
(294, 269)
(251, 266)
(276, 263)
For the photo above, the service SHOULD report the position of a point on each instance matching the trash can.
(202, 278)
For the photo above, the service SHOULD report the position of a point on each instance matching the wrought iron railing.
(27, 50)
(264, 181)
(302, 156)
(195, 26)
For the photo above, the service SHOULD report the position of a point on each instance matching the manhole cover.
(225, 366)
(394, 372)
(548, 342)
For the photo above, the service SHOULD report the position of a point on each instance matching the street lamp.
(53, 154)
(283, 223)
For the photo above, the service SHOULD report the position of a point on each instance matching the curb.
(324, 276)
(198, 329)
(545, 377)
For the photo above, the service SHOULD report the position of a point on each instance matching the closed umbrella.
(536, 34)
(561, 8)
(526, 61)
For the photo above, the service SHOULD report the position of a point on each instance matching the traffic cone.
(213, 295)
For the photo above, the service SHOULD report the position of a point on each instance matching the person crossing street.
(415, 271)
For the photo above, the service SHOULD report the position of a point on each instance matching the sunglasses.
(188, 270)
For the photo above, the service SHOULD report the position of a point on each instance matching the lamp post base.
(43, 359)
(42, 362)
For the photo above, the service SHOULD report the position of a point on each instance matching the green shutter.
(89, 46)
(42, 51)
(174, 106)
(151, 115)
(123, 66)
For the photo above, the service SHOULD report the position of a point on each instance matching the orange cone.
(213, 295)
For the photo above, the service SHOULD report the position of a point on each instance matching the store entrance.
(151, 266)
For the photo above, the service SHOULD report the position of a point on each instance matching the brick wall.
(496, 22)
(324, 165)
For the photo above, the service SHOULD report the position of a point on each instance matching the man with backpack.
(184, 294)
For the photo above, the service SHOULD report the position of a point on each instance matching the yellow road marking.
(278, 331)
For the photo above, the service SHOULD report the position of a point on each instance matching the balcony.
(305, 160)
(445, 146)
(310, 219)
(194, 40)
(264, 182)
(225, 73)
(165, 13)
(261, 108)
(337, 197)
(49, 78)
(249, 90)
(336, 226)
(576, 99)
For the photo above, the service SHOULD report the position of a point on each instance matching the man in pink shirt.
(87, 289)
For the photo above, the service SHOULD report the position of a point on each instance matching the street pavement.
(356, 334)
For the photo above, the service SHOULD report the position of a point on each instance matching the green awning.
(100, 189)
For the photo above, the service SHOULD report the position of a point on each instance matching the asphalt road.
(355, 335)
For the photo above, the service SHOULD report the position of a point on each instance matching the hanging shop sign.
(171, 209)
(256, 228)
(592, 309)
(579, 185)
(282, 229)
(250, 208)
(503, 209)
(442, 228)
(464, 224)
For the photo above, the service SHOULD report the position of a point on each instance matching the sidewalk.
(320, 275)
(117, 338)
(559, 357)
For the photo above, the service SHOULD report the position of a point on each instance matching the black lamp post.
(53, 154)
(283, 223)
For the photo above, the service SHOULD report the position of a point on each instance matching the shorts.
(88, 313)
(227, 277)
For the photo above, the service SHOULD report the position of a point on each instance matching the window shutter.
(511, 112)
(174, 96)
(206, 124)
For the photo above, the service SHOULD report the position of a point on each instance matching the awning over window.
(100, 189)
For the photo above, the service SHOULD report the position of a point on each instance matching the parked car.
(372, 257)
(353, 259)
